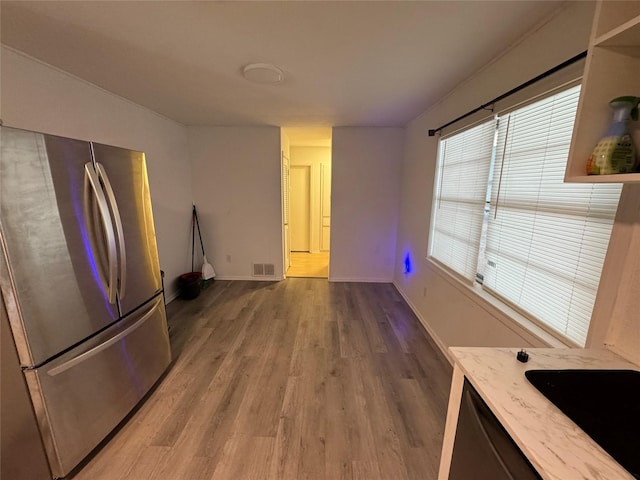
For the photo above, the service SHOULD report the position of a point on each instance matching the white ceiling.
(360, 63)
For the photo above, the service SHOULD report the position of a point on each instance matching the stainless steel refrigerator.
(82, 286)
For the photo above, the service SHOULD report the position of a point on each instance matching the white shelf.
(619, 178)
(613, 15)
(612, 70)
(626, 35)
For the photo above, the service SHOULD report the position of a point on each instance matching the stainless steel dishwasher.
(483, 450)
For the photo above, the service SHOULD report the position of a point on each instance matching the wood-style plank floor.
(299, 379)
(309, 265)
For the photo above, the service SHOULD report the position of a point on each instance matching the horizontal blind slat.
(460, 197)
(546, 240)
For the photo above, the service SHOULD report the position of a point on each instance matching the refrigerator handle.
(103, 208)
(103, 346)
(119, 231)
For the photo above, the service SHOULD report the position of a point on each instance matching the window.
(541, 243)
(464, 161)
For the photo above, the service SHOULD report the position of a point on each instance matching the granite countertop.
(555, 446)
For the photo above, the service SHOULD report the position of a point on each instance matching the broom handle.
(193, 236)
(195, 215)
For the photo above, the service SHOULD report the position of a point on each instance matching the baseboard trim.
(172, 297)
(249, 278)
(360, 280)
(439, 343)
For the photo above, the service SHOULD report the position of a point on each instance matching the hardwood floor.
(309, 265)
(299, 379)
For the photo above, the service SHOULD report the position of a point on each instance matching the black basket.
(190, 285)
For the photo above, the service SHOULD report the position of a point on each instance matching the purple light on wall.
(407, 263)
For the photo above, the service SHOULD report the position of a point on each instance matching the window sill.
(509, 317)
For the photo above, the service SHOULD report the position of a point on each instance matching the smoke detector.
(263, 73)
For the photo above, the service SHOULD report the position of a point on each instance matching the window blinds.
(463, 169)
(546, 240)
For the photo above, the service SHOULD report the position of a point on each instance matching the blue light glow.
(407, 263)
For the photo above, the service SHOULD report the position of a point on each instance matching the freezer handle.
(103, 208)
(119, 231)
(103, 346)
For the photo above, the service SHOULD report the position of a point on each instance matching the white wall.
(315, 158)
(454, 314)
(38, 97)
(364, 203)
(236, 185)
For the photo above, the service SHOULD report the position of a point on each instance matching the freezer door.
(82, 395)
(127, 188)
(54, 282)
(22, 455)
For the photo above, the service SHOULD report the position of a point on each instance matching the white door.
(285, 211)
(325, 206)
(299, 213)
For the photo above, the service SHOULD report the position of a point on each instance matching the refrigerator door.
(82, 395)
(126, 186)
(55, 282)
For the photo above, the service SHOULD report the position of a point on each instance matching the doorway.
(306, 197)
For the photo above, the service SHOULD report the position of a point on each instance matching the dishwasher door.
(483, 449)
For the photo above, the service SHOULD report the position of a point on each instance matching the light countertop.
(555, 446)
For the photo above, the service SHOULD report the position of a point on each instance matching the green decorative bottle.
(615, 152)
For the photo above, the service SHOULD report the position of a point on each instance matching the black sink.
(603, 403)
